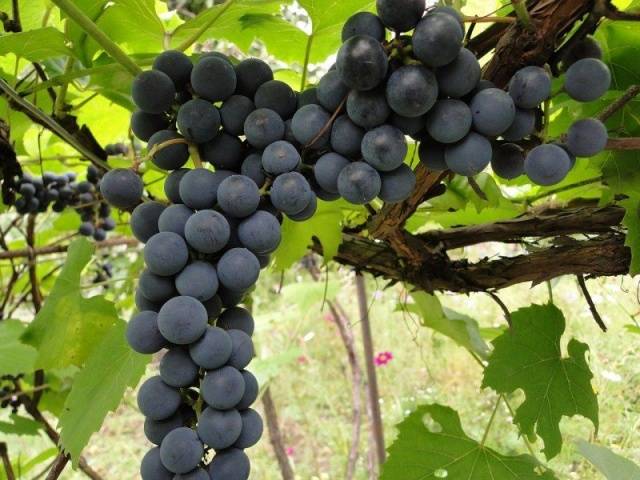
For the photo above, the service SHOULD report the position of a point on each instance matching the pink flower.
(302, 359)
(328, 317)
(290, 451)
(383, 358)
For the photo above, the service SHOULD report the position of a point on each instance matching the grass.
(303, 361)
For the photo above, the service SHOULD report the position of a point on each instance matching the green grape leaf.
(431, 444)
(69, 326)
(18, 425)
(98, 389)
(15, 356)
(35, 45)
(620, 42)
(631, 220)
(612, 466)
(460, 328)
(92, 9)
(223, 21)
(133, 25)
(529, 357)
(297, 237)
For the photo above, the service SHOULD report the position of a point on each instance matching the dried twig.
(58, 466)
(8, 468)
(275, 435)
(592, 305)
(611, 110)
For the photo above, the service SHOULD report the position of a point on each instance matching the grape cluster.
(116, 149)
(10, 393)
(37, 194)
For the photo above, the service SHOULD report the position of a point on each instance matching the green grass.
(309, 378)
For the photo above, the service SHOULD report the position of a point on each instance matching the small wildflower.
(383, 358)
(303, 359)
(290, 451)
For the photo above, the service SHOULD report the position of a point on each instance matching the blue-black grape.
(290, 193)
(508, 161)
(359, 183)
(122, 188)
(238, 196)
(238, 269)
(197, 474)
(143, 334)
(156, 430)
(86, 229)
(307, 97)
(234, 111)
(327, 169)
(368, 109)
(346, 137)
(263, 127)
(400, 15)
(213, 306)
(277, 96)
(524, 124)
(176, 65)
(547, 164)
(144, 125)
(493, 111)
(169, 157)
(182, 320)
(199, 187)
(223, 388)
(220, 429)
(331, 91)
(230, 298)
(231, 464)
(181, 450)
(470, 156)
(307, 125)
(252, 427)
(251, 390)
(156, 288)
(198, 120)
(431, 154)
(308, 212)
(449, 121)
(177, 369)
(588, 47)
(144, 304)
(461, 76)
(280, 157)
(241, 349)
(213, 79)
(587, 137)
(362, 63)
(260, 232)
(198, 280)
(587, 80)
(398, 184)
(224, 152)
(437, 39)
(151, 467)
(153, 92)
(237, 318)
(207, 231)
(384, 148)
(252, 167)
(407, 125)
(530, 86)
(252, 73)
(412, 90)
(174, 218)
(166, 253)
(363, 23)
(172, 185)
(449, 11)
(213, 349)
(157, 400)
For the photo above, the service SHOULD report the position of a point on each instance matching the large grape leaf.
(226, 22)
(529, 357)
(70, 326)
(35, 45)
(297, 237)
(431, 444)
(461, 329)
(15, 356)
(612, 466)
(98, 389)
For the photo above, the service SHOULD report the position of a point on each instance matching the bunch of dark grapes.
(116, 149)
(9, 393)
(59, 192)
(265, 152)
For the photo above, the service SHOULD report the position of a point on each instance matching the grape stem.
(490, 423)
(522, 13)
(305, 66)
(592, 305)
(631, 93)
(78, 16)
(488, 19)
